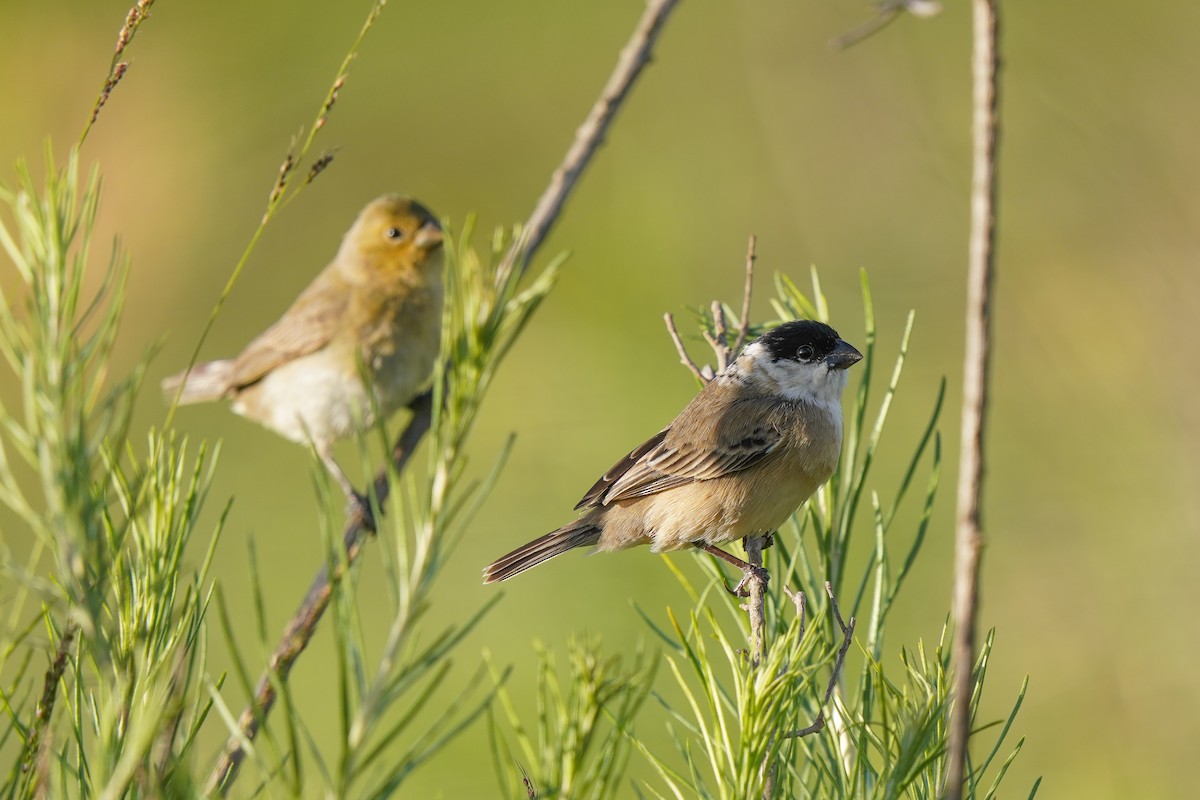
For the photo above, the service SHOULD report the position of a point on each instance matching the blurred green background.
(746, 123)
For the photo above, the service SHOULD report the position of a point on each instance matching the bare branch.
(744, 322)
(719, 350)
(968, 538)
(633, 59)
(718, 340)
(818, 724)
(718, 337)
(684, 358)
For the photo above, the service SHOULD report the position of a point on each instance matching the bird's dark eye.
(805, 353)
(395, 234)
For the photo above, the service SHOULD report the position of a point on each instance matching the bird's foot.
(358, 507)
(749, 573)
(768, 540)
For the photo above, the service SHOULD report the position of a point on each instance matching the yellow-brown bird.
(375, 311)
(738, 460)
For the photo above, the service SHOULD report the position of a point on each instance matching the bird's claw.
(750, 573)
(736, 591)
(358, 506)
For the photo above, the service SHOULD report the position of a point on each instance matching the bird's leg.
(768, 540)
(749, 571)
(358, 504)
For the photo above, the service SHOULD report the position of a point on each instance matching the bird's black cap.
(785, 341)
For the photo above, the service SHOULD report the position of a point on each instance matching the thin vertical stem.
(980, 267)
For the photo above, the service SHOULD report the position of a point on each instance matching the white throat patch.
(814, 383)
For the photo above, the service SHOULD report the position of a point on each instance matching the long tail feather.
(578, 534)
(205, 382)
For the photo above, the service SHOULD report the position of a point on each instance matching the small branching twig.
(818, 724)
(747, 291)
(755, 606)
(634, 57)
(718, 339)
(968, 537)
(684, 358)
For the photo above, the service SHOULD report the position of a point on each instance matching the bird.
(741, 457)
(373, 314)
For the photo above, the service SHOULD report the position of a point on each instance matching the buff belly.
(317, 398)
(751, 502)
(715, 512)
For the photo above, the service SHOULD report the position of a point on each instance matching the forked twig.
(818, 724)
(718, 340)
(632, 60)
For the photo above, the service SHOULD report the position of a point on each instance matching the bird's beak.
(429, 235)
(843, 356)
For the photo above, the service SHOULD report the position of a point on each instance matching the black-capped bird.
(752, 446)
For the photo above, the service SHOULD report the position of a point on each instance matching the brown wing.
(703, 443)
(304, 328)
(594, 495)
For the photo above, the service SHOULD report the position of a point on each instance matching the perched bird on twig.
(752, 446)
(374, 312)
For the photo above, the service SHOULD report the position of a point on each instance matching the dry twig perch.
(633, 59)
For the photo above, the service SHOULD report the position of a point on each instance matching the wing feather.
(593, 495)
(304, 328)
(702, 444)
